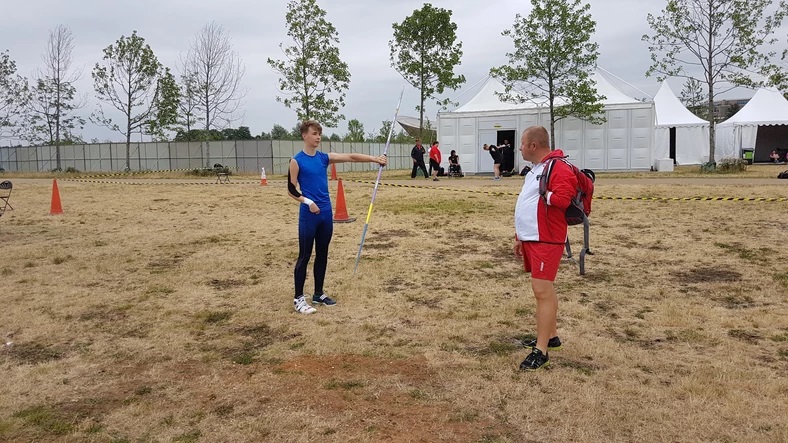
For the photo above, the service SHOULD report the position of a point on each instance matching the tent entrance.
(673, 144)
(768, 139)
(507, 162)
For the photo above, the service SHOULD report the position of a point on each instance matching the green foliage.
(49, 120)
(278, 132)
(198, 135)
(239, 133)
(188, 116)
(716, 42)
(355, 131)
(695, 99)
(131, 80)
(313, 77)
(731, 165)
(553, 60)
(425, 52)
(14, 94)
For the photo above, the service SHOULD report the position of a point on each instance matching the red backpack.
(580, 208)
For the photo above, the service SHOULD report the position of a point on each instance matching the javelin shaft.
(377, 181)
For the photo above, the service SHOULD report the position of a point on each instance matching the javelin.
(377, 182)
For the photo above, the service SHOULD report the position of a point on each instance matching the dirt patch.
(411, 412)
(394, 234)
(224, 284)
(707, 275)
(33, 353)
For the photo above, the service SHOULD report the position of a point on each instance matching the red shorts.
(542, 259)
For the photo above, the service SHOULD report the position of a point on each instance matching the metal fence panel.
(246, 156)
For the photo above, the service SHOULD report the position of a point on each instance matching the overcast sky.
(258, 26)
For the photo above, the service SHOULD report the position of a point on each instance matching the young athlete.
(315, 220)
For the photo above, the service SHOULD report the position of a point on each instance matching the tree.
(13, 94)
(239, 133)
(383, 132)
(335, 138)
(214, 72)
(355, 131)
(132, 81)
(278, 132)
(313, 77)
(49, 118)
(716, 42)
(694, 98)
(425, 52)
(732, 110)
(552, 62)
(187, 105)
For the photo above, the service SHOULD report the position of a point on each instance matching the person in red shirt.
(540, 226)
(435, 160)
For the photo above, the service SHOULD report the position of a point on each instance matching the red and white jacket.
(543, 219)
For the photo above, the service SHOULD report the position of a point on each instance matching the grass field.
(159, 310)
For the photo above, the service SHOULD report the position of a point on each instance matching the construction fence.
(241, 156)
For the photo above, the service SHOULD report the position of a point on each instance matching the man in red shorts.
(540, 225)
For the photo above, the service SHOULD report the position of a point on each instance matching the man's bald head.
(535, 144)
(538, 135)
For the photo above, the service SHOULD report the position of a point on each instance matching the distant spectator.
(455, 170)
(435, 160)
(775, 157)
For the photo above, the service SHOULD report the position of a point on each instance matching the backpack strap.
(544, 178)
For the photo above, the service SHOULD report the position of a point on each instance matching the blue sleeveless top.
(313, 179)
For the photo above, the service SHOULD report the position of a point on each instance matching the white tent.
(762, 125)
(680, 134)
(624, 142)
(411, 124)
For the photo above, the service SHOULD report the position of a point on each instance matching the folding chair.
(222, 173)
(586, 248)
(5, 193)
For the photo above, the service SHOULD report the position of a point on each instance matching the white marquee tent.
(680, 134)
(762, 125)
(624, 142)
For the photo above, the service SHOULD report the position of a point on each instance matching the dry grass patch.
(163, 312)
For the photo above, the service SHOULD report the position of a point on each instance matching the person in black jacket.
(417, 154)
(495, 153)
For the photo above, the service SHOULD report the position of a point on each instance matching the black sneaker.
(554, 344)
(535, 360)
(323, 299)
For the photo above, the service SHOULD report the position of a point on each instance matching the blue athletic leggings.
(314, 229)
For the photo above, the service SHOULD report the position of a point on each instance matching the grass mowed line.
(163, 312)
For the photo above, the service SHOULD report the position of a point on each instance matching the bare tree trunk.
(218, 72)
(54, 109)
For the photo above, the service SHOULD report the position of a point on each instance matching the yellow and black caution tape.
(132, 173)
(148, 182)
(441, 188)
(601, 197)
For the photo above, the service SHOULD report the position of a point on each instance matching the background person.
(417, 154)
(454, 164)
(495, 153)
(435, 161)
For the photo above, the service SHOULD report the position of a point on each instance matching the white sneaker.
(301, 306)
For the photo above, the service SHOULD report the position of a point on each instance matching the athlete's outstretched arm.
(336, 157)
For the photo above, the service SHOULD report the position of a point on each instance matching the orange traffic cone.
(340, 215)
(55, 208)
(333, 171)
(263, 180)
